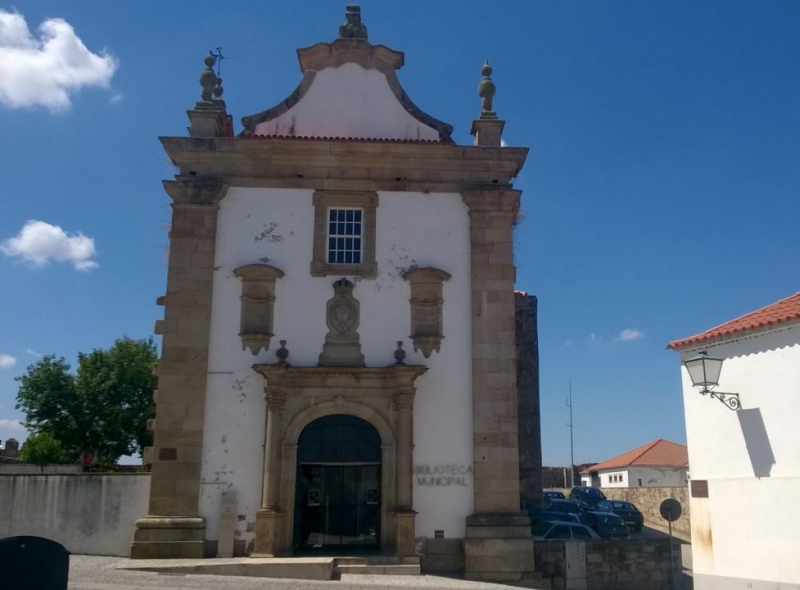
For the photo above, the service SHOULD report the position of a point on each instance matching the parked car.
(553, 495)
(607, 524)
(628, 512)
(558, 510)
(587, 495)
(546, 531)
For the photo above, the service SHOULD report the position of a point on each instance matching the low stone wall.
(635, 564)
(648, 500)
(92, 514)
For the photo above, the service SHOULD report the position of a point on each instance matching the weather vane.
(219, 57)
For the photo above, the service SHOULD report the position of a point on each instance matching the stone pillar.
(173, 527)
(270, 538)
(404, 513)
(529, 417)
(498, 545)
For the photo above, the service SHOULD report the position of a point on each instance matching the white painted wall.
(348, 101)
(275, 226)
(650, 477)
(748, 530)
(87, 513)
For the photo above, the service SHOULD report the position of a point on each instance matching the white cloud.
(629, 334)
(44, 71)
(32, 352)
(39, 242)
(7, 361)
(11, 424)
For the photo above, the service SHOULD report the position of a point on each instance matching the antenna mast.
(571, 445)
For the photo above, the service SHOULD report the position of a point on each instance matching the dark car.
(629, 513)
(547, 531)
(553, 495)
(587, 495)
(562, 510)
(607, 524)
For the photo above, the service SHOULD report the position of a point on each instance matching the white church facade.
(339, 358)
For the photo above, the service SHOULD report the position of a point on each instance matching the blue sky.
(660, 194)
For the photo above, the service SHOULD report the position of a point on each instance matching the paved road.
(99, 573)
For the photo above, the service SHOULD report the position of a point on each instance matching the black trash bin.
(33, 563)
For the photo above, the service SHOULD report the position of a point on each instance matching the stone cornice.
(354, 378)
(341, 165)
(492, 200)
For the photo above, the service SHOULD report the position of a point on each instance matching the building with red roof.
(656, 464)
(745, 456)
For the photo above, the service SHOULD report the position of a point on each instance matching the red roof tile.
(659, 453)
(247, 135)
(785, 310)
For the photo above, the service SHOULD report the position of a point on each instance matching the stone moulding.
(258, 302)
(332, 55)
(426, 308)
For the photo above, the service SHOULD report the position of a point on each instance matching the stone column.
(173, 527)
(498, 545)
(270, 538)
(403, 510)
(530, 438)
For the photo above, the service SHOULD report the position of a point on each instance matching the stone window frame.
(367, 201)
(257, 315)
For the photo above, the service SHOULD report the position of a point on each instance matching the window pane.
(357, 244)
(341, 214)
(348, 258)
(331, 229)
(340, 257)
(357, 229)
(349, 216)
(331, 243)
(348, 243)
(340, 243)
(331, 257)
(340, 229)
(349, 229)
(332, 215)
(357, 216)
(356, 257)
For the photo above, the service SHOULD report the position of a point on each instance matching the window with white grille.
(345, 233)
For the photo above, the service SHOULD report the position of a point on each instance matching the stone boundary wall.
(91, 514)
(648, 500)
(634, 564)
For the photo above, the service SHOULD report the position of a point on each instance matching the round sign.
(670, 509)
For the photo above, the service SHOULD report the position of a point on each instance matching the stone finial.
(282, 353)
(352, 28)
(399, 354)
(208, 79)
(486, 90)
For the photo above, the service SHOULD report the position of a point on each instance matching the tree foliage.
(102, 409)
(42, 449)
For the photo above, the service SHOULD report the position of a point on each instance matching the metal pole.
(671, 554)
(571, 445)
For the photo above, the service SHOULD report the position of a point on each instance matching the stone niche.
(426, 308)
(258, 303)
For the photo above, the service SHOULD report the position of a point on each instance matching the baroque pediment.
(349, 90)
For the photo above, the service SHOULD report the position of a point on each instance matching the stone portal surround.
(296, 396)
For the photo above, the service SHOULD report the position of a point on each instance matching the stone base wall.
(641, 564)
(442, 556)
(648, 501)
(91, 514)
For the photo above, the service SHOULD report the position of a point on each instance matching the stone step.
(379, 570)
(377, 560)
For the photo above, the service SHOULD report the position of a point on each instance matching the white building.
(659, 463)
(338, 367)
(745, 478)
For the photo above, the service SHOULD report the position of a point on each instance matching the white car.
(564, 531)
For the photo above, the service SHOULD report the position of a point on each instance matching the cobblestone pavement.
(99, 573)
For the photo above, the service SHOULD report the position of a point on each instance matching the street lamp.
(704, 372)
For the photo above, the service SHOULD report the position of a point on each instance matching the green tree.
(103, 409)
(42, 449)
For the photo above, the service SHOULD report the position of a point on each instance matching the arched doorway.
(338, 487)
